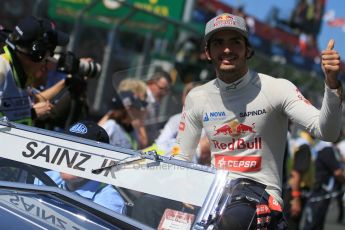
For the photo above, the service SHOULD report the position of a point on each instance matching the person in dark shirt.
(328, 175)
(300, 169)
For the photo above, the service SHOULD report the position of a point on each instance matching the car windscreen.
(151, 210)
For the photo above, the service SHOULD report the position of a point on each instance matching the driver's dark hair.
(247, 43)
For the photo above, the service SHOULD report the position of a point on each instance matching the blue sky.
(260, 10)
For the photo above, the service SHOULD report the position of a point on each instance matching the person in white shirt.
(158, 86)
(167, 138)
(124, 121)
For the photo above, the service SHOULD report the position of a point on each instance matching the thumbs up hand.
(330, 44)
(330, 63)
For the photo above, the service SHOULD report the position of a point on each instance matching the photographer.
(27, 52)
(70, 104)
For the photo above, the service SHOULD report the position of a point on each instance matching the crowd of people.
(316, 177)
(241, 116)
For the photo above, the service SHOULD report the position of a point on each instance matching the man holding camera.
(27, 52)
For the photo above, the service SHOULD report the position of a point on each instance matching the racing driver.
(245, 115)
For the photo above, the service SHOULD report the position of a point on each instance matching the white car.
(159, 192)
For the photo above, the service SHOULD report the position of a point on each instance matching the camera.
(70, 64)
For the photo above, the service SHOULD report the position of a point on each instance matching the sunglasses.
(164, 88)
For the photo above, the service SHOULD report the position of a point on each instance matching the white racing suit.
(246, 123)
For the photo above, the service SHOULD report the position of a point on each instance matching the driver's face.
(228, 52)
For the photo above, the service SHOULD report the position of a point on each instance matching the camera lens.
(90, 69)
(70, 64)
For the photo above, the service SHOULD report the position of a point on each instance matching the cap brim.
(133, 101)
(209, 35)
(62, 38)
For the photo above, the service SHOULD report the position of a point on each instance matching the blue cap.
(89, 130)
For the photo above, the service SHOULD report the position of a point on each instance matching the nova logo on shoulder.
(213, 116)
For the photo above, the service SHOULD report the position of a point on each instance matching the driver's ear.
(249, 52)
(208, 56)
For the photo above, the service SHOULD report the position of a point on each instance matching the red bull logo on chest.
(239, 143)
(225, 130)
(234, 128)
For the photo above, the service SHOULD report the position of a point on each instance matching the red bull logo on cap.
(224, 17)
(224, 20)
